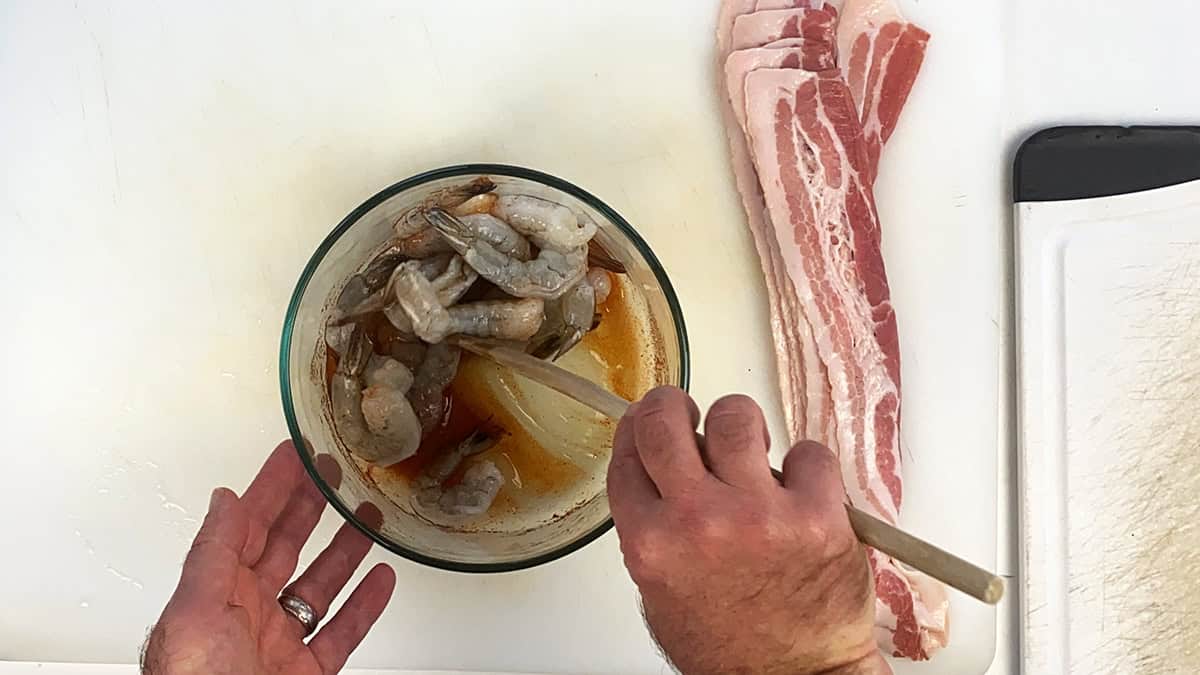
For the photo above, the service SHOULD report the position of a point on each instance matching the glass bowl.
(374, 500)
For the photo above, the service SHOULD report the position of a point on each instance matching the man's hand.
(225, 618)
(739, 574)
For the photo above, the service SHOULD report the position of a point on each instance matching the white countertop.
(103, 148)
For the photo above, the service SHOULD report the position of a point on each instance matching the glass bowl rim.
(344, 226)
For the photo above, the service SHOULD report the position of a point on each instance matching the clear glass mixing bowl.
(355, 490)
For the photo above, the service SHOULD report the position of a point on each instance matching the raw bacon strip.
(807, 144)
(759, 28)
(881, 56)
(741, 62)
(794, 4)
(788, 53)
(785, 320)
(807, 141)
(802, 379)
(729, 12)
(911, 610)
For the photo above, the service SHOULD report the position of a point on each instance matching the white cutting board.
(1110, 379)
(170, 167)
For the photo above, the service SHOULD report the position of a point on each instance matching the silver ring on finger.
(301, 610)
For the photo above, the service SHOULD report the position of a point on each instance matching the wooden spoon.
(900, 545)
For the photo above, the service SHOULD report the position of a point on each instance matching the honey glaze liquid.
(552, 451)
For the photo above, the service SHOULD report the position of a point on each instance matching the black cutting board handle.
(1067, 163)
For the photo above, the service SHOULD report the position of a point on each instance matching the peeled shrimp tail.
(423, 243)
(413, 221)
(568, 319)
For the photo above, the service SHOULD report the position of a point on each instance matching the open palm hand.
(225, 617)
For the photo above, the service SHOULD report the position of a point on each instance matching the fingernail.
(216, 499)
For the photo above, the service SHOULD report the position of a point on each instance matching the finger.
(630, 490)
(269, 492)
(665, 432)
(338, 638)
(212, 563)
(287, 537)
(333, 567)
(811, 471)
(735, 442)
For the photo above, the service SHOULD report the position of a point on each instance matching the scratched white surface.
(168, 168)
(1110, 307)
(1084, 62)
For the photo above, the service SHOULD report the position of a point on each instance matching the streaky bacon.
(881, 55)
(801, 375)
(794, 4)
(911, 608)
(759, 28)
(807, 142)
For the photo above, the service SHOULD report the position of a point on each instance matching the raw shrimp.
(502, 236)
(478, 204)
(383, 371)
(548, 225)
(424, 243)
(366, 291)
(337, 337)
(452, 280)
(449, 277)
(476, 491)
(418, 299)
(435, 372)
(379, 271)
(385, 405)
(568, 319)
(602, 283)
(413, 221)
(499, 319)
(484, 226)
(474, 494)
(444, 466)
(389, 410)
(547, 276)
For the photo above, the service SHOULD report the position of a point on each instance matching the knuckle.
(813, 537)
(735, 422)
(714, 530)
(654, 432)
(643, 555)
(732, 430)
(826, 541)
